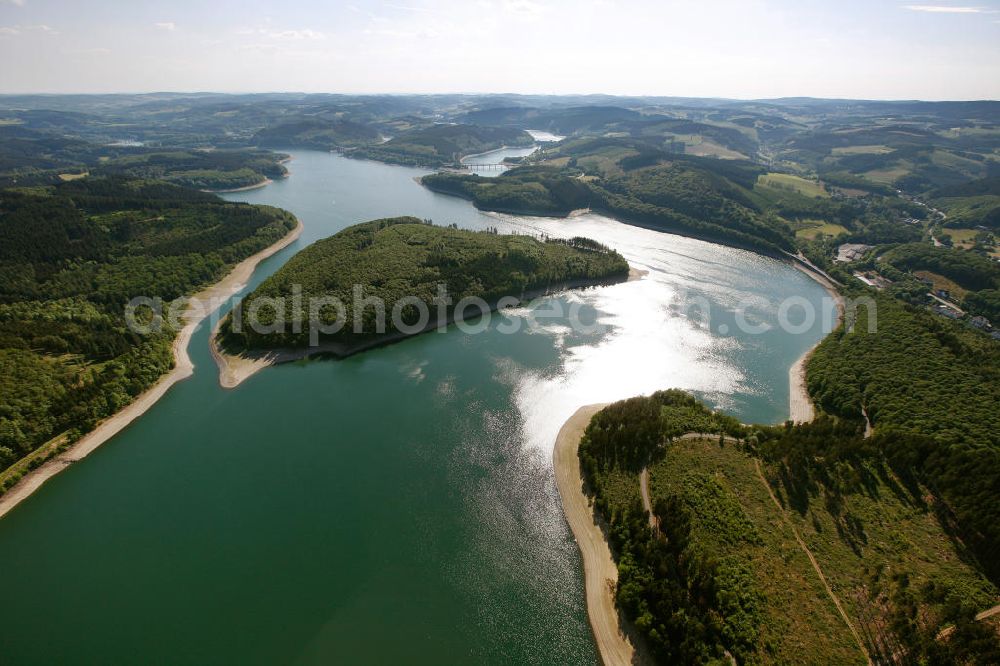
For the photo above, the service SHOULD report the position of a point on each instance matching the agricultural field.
(887, 176)
(962, 238)
(788, 182)
(556, 162)
(704, 148)
(66, 177)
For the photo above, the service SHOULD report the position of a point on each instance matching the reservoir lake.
(398, 506)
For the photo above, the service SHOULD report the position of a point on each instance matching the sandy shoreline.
(800, 407)
(236, 369)
(255, 186)
(600, 571)
(183, 368)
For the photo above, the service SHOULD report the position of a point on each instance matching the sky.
(747, 49)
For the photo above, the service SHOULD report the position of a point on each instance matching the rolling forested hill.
(700, 197)
(443, 144)
(561, 121)
(318, 134)
(971, 204)
(29, 157)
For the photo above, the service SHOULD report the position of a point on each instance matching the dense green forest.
(71, 257)
(985, 303)
(525, 190)
(935, 383)
(722, 574)
(399, 258)
(203, 170)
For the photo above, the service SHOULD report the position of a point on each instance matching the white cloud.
(169, 26)
(295, 34)
(948, 9)
(282, 35)
(16, 3)
(19, 29)
(427, 33)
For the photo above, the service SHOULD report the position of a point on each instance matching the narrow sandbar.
(600, 571)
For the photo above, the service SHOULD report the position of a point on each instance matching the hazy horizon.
(375, 93)
(756, 50)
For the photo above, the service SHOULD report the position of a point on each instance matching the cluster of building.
(849, 252)
(873, 279)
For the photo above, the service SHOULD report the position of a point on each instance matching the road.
(988, 613)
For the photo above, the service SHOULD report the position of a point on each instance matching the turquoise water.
(398, 506)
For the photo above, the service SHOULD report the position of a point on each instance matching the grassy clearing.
(963, 238)
(707, 148)
(816, 228)
(941, 282)
(787, 182)
(555, 162)
(798, 618)
(962, 235)
(977, 132)
(605, 160)
(862, 539)
(65, 177)
(888, 176)
(861, 150)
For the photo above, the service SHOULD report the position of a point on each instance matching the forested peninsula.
(71, 257)
(396, 260)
